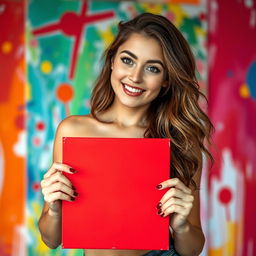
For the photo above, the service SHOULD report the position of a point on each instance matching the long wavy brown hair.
(175, 113)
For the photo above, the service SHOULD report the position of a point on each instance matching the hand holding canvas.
(178, 201)
(57, 187)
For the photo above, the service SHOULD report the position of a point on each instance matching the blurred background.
(50, 55)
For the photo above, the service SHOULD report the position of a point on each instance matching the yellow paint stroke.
(244, 91)
(216, 251)
(230, 246)
(152, 8)
(200, 31)
(27, 91)
(196, 2)
(178, 13)
(108, 36)
(7, 47)
(46, 67)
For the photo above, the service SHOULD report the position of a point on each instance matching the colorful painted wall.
(232, 97)
(64, 43)
(12, 128)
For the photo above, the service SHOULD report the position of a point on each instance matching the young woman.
(147, 89)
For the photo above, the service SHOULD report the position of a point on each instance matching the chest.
(110, 130)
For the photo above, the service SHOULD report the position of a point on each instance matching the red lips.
(132, 91)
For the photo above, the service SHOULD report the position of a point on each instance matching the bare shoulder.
(76, 125)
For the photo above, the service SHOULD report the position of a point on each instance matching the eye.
(127, 60)
(153, 69)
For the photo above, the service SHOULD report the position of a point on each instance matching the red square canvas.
(116, 181)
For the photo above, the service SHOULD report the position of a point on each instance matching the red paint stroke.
(64, 93)
(225, 197)
(12, 31)
(72, 24)
(40, 126)
(36, 186)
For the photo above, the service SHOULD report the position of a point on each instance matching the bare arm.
(55, 188)
(191, 234)
(50, 228)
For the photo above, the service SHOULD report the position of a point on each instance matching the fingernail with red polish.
(159, 186)
(159, 205)
(75, 194)
(72, 199)
(162, 215)
(159, 212)
(72, 170)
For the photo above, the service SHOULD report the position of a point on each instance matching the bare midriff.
(104, 252)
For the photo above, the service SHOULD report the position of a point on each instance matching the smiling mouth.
(132, 91)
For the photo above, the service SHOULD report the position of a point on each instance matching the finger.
(52, 197)
(58, 186)
(56, 177)
(174, 192)
(175, 182)
(172, 201)
(175, 209)
(176, 201)
(59, 167)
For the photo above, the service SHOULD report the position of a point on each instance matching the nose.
(136, 75)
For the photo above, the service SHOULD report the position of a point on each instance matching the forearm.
(190, 241)
(50, 229)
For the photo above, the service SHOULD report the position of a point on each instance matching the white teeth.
(130, 89)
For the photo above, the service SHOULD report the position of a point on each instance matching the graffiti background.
(232, 88)
(12, 128)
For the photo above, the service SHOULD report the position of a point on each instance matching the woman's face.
(138, 71)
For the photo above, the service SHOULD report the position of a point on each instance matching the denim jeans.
(171, 252)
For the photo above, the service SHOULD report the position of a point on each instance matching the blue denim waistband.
(170, 252)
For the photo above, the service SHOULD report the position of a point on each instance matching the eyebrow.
(135, 57)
